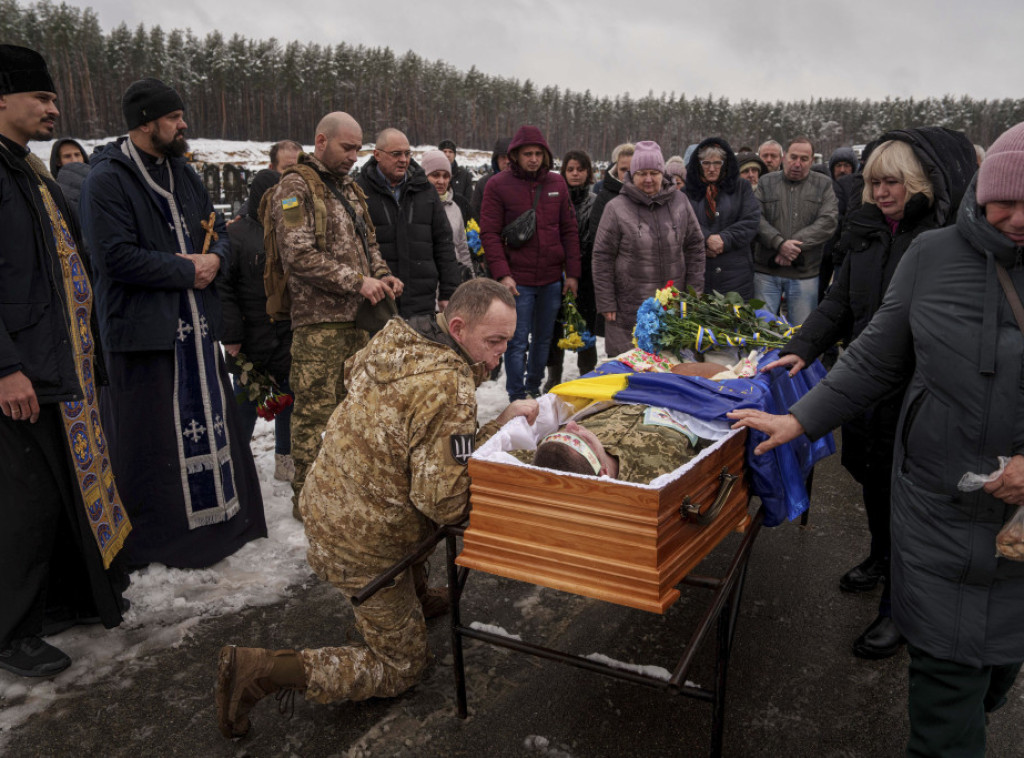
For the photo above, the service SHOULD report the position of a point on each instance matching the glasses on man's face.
(712, 164)
(396, 154)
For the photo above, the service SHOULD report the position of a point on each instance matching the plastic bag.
(970, 482)
(1010, 540)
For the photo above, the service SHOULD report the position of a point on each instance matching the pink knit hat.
(435, 160)
(1001, 176)
(647, 155)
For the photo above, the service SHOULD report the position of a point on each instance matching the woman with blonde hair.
(913, 181)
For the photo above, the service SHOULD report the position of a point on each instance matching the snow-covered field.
(256, 155)
(168, 603)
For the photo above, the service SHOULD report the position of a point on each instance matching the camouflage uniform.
(646, 442)
(643, 438)
(324, 289)
(392, 466)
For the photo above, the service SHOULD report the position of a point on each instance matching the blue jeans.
(282, 421)
(536, 310)
(801, 295)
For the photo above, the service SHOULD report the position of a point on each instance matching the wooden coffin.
(609, 540)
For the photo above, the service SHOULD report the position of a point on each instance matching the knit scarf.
(711, 207)
(204, 451)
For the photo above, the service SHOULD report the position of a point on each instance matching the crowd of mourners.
(359, 310)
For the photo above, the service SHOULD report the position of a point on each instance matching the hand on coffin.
(780, 429)
(527, 408)
(798, 364)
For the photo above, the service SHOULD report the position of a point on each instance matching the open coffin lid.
(616, 541)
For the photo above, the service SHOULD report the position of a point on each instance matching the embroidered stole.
(107, 519)
(204, 452)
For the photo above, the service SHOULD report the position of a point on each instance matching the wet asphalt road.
(794, 688)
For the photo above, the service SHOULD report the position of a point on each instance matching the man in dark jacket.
(499, 162)
(412, 229)
(265, 342)
(53, 463)
(182, 465)
(69, 165)
(534, 271)
(462, 178)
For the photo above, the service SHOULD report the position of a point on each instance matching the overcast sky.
(788, 49)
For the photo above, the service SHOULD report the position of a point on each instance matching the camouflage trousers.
(392, 659)
(319, 352)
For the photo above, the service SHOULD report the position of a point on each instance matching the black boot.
(865, 576)
(880, 640)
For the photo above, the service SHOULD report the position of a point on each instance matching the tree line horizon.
(241, 89)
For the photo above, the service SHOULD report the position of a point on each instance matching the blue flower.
(648, 325)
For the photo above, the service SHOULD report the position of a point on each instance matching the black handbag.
(520, 230)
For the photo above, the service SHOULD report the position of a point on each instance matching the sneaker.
(284, 467)
(246, 675)
(435, 602)
(30, 656)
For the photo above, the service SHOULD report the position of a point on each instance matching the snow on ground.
(168, 603)
(256, 155)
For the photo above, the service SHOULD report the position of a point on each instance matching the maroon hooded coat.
(555, 246)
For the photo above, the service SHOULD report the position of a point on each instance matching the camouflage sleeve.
(379, 266)
(292, 213)
(443, 432)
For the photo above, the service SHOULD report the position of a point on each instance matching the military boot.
(246, 675)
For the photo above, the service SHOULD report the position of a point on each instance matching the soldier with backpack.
(319, 230)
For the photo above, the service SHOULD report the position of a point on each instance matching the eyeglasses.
(712, 164)
(396, 154)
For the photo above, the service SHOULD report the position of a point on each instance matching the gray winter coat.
(642, 243)
(805, 211)
(946, 324)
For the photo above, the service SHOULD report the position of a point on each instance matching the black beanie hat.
(23, 70)
(149, 99)
(263, 181)
(446, 144)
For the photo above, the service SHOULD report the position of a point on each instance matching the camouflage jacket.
(393, 461)
(324, 287)
(646, 442)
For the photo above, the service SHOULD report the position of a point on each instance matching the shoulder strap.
(536, 196)
(1011, 296)
(316, 186)
(359, 221)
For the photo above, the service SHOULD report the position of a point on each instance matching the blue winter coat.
(138, 276)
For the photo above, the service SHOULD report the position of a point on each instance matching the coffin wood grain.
(601, 539)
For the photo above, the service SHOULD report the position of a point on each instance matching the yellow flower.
(663, 296)
(570, 342)
(472, 226)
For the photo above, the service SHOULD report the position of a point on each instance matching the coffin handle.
(689, 509)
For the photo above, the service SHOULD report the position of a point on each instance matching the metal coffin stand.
(720, 613)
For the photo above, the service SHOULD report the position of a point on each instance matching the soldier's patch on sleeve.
(461, 447)
(292, 209)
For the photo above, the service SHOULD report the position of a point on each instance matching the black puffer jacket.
(871, 253)
(736, 220)
(462, 182)
(414, 237)
(946, 328)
